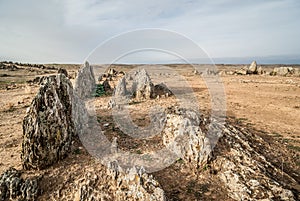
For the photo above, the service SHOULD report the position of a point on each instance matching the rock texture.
(184, 136)
(234, 155)
(283, 71)
(161, 90)
(246, 172)
(121, 90)
(112, 183)
(48, 128)
(142, 86)
(63, 71)
(13, 187)
(85, 82)
(134, 184)
(252, 68)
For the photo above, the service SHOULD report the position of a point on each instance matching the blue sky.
(66, 31)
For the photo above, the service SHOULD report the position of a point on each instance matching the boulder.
(252, 68)
(85, 82)
(260, 71)
(48, 128)
(283, 71)
(161, 90)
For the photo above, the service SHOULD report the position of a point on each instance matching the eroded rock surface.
(13, 187)
(112, 183)
(142, 86)
(48, 127)
(245, 171)
(238, 162)
(85, 82)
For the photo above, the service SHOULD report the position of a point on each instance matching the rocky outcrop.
(112, 183)
(252, 68)
(13, 187)
(183, 135)
(63, 71)
(134, 184)
(235, 156)
(48, 127)
(283, 71)
(161, 90)
(142, 86)
(245, 171)
(110, 78)
(121, 90)
(85, 82)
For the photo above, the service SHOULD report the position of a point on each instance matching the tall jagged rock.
(142, 86)
(252, 68)
(85, 82)
(48, 128)
(121, 90)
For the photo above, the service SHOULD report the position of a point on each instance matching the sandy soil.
(267, 104)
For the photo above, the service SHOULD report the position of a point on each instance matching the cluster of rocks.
(10, 67)
(238, 162)
(13, 65)
(285, 71)
(252, 69)
(13, 187)
(110, 79)
(49, 129)
(142, 88)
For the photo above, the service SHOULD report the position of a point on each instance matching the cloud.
(67, 30)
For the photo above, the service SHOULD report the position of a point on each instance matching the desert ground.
(268, 106)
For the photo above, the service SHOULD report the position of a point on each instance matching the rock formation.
(161, 90)
(142, 86)
(63, 71)
(121, 90)
(183, 135)
(283, 71)
(48, 128)
(134, 184)
(234, 155)
(13, 187)
(245, 171)
(252, 68)
(85, 82)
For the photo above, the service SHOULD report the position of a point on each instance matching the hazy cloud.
(67, 30)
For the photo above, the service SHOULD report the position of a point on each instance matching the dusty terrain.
(266, 105)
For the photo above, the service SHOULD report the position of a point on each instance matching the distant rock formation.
(252, 69)
(48, 127)
(13, 187)
(283, 71)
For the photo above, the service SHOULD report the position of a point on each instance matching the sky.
(229, 31)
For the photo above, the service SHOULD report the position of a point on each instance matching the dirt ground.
(268, 104)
